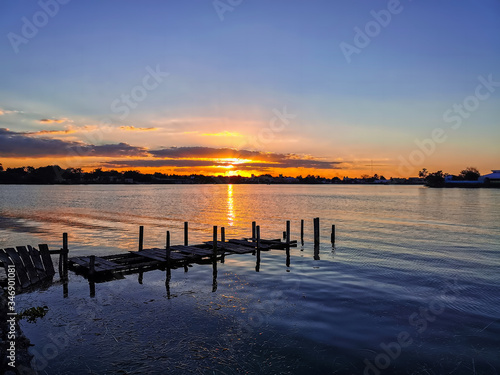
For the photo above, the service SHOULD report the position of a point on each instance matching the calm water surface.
(411, 287)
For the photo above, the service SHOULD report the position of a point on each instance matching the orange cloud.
(51, 121)
(134, 129)
(42, 132)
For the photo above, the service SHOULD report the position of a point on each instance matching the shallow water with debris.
(411, 286)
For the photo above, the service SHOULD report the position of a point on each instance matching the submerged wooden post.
(91, 266)
(316, 231)
(167, 255)
(185, 233)
(223, 234)
(141, 237)
(254, 235)
(63, 257)
(333, 234)
(257, 264)
(215, 243)
(302, 232)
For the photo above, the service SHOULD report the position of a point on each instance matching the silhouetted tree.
(423, 173)
(470, 174)
(435, 179)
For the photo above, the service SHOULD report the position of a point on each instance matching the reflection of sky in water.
(396, 249)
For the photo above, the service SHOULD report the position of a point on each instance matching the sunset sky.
(335, 88)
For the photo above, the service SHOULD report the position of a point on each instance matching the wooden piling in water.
(223, 234)
(316, 231)
(185, 233)
(215, 243)
(287, 233)
(167, 255)
(257, 264)
(254, 235)
(333, 235)
(63, 258)
(141, 237)
(302, 232)
(214, 262)
(284, 235)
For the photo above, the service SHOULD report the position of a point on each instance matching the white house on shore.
(492, 178)
(488, 180)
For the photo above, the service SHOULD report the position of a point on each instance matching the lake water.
(411, 287)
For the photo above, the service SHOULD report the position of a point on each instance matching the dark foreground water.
(411, 287)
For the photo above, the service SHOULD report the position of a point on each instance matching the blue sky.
(228, 77)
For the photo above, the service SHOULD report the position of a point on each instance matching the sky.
(330, 88)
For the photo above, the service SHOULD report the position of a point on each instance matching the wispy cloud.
(135, 129)
(52, 121)
(6, 111)
(52, 132)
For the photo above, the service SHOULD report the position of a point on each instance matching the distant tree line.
(54, 174)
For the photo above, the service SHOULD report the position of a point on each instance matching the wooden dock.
(178, 255)
(34, 266)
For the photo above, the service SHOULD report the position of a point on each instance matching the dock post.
(63, 258)
(215, 243)
(316, 231)
(214, 263)
(141, 237)
(302, 231)
(254, 235)
(91, 276)
(185, 233)
(257, 264)
(91, 266)
(284, 235)
(333, 235)
(222, 239)
(167, 255)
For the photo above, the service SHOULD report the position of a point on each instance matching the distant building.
(492, 178)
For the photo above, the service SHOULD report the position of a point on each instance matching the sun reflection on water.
(230, 205)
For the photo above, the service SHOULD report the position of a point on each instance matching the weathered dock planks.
(158, 257)
(32, 266)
